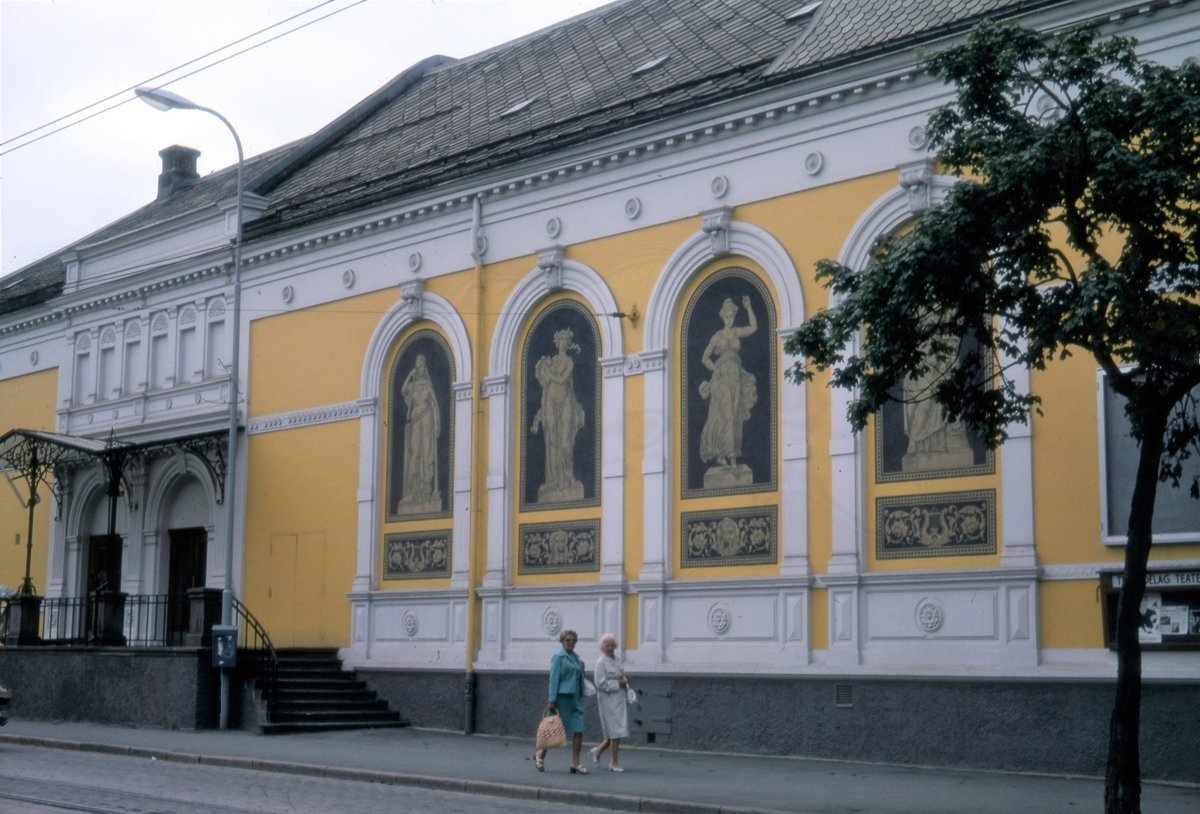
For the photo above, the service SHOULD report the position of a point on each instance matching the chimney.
(178, 170)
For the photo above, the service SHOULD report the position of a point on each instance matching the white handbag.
(630, 695)
(589, 689)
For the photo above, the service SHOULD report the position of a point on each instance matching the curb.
(486, 788)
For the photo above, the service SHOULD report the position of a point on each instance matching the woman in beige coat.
(610, 698)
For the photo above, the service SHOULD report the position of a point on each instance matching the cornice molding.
(327, 414)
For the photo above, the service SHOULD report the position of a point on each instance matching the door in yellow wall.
(295, 614)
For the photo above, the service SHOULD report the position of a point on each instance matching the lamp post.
(166, 100)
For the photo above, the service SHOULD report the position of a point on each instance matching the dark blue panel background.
(441, 374)
(539, 343)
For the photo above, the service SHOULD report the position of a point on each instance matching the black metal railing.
(110, 620)
(264, 663)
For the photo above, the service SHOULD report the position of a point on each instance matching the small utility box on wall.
(224, 645)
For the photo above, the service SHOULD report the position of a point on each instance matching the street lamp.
(160, 99)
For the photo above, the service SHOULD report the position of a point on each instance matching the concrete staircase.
(314, 694)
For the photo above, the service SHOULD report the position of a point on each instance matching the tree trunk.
(1123, 781)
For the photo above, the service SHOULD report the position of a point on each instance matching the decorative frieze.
(732, 537)
(417, 555)
(937, 525)
(302, 418)
(559, 548)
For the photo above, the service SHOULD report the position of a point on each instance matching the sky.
(57, 56)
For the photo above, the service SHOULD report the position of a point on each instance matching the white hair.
(607, 637)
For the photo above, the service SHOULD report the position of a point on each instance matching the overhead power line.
(171, 71)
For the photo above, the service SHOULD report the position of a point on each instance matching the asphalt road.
(40, 781)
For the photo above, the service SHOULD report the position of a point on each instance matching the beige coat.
(610, 698)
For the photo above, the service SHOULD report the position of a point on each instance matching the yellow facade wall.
(1069, 614)
(290, 498)
(301, 533)
(26, 402)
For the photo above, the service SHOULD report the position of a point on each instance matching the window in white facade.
(1176, 514)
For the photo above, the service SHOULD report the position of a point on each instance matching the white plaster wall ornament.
(719, 186)
(917, 138)
(411, 625)
(715, 223)
(348, 278)
(633, 208)
(197, 397)
(84, 342)
(216, 308)
(414, 262)
(929, 616)
(92, 417)
(109, 337)
(917, 181)
(189, 314)
(134, 329)
(412, 294)
(719, 619)
(550, 263)
(814, 162)
(115, 413)
(553, 227)
(481, 245)
(170, 404)
(160, 324)
(288, 293)
(33, 357)
(552, 621)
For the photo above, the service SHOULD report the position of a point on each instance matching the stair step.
(328, 705)
(334, 716)
(339, 695)
(289, 683)
(283, 729)
(310, 664)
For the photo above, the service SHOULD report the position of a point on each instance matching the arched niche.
(415, 307)
(721, 237)
(554, 273)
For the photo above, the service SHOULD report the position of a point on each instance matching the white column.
(460, 574)
(495, 389)
(1018, 548)
(793, 520)
(612, 472)
(368, 469)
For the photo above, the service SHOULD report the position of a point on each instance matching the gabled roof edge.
(348, 120)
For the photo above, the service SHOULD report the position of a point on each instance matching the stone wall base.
(1033, 726)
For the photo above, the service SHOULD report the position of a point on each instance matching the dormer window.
(646, 67)
(804, 13)
(517, 108)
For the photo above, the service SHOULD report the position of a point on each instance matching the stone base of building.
(167, 688)
(1056, 727)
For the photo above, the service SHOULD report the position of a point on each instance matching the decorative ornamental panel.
(730, 537)
(417, 555)
(421, 429)
(941, 525)
(559, 548)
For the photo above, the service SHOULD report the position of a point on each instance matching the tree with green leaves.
(1073, 229)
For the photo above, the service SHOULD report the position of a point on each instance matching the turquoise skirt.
(570, 709)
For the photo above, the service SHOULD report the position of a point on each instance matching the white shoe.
(595, 757)
(615, 769)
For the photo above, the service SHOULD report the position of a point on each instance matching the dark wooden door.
(104, 563)
(187, 569)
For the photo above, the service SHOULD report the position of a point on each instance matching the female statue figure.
(731, 392)
(562, 417)
(420, 488)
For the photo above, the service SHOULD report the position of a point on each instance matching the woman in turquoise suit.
(566, 698)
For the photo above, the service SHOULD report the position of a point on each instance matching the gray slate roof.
(440, 121)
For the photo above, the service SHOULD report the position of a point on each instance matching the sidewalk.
(654, 780)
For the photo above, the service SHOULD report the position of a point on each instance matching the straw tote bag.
(550, 734)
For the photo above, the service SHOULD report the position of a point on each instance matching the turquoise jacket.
(566, 674)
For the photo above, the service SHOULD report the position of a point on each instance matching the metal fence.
(100, 620)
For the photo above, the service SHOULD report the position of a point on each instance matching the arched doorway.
(187, 524)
